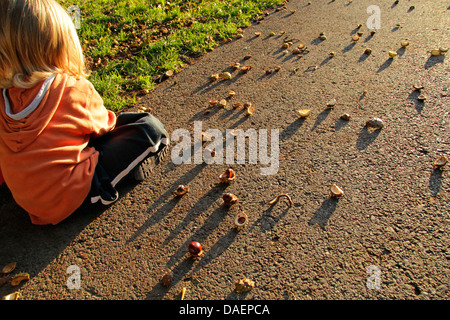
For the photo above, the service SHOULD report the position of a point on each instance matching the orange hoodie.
(44, 154)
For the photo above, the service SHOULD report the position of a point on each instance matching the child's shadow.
(34, 247)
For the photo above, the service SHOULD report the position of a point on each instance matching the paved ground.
(393, 220)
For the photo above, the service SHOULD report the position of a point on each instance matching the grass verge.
(131, 44)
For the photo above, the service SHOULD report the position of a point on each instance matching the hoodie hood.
(25, 114)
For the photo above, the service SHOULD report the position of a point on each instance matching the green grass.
(130, 44)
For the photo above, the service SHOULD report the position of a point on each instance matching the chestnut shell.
(228, 176)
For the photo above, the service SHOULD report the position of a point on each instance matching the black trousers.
(135, 137)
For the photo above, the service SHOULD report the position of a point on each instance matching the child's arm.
(102, 120)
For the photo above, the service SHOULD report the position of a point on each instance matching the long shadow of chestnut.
(349, 47)
(182, 264)
(433, 60)
(363, 57)
(320, 118)
(385, 65)
(166, 202)
(366, 137)
(435, 182)
(323, 214)
(292, 129)
(340, 123)
(419, 105)
(200, 206)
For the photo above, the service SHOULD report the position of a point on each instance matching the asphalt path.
(387, 237)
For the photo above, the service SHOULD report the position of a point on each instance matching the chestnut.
(195, 248)
(9, 267)
(240, 220)
(181, 190)
(331, 104)
(246, 69)
(13, 296)
(166, 280)
(226, 76)
(18, 278)
(376, 123)
(422, 97)
(249, 111)
(229, 199)
(244, 285)
(205, 137)
(236, 105)
(440, 162)
(228, 176)
(212, 152)
(335, 191)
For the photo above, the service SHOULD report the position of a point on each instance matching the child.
(59, 145)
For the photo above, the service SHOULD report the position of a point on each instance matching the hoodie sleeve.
(101, 119)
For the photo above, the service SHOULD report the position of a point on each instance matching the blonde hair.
(37, 39)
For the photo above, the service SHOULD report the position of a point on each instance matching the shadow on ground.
(181, 264)
(33, 247)
(323, 214)
(168, 205)
(366, 137)
(435, 182)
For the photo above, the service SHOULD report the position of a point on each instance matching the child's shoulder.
(76, 89)
(78, 82)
